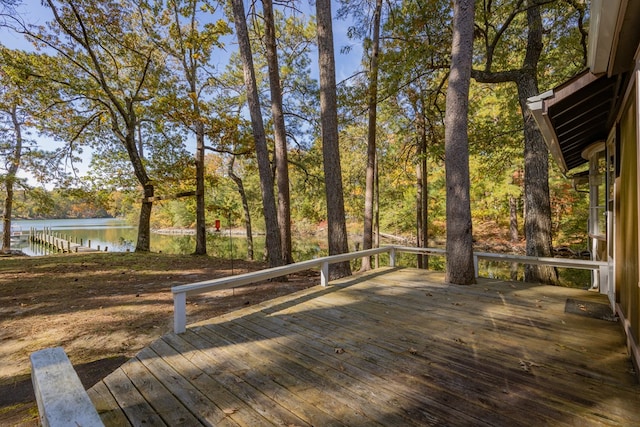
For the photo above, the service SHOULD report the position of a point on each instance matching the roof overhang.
(604, 15)
(614, 33)
(574, 115)
(581, 111)
(537, 108)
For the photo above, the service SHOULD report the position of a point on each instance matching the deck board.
(391, 347)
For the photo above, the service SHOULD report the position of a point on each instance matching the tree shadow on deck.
(394, 348)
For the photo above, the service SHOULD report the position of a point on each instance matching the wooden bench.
(61, 398)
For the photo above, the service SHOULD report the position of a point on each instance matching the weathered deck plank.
(236, 399)
(389, 353)
(132, 402)
(353, 402)
(396, 347)
(174, 380)
(106, 405)
(259, 373)
(166, 404)
(449, 352)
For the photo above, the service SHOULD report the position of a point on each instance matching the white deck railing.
(180, 292)
(62, 400)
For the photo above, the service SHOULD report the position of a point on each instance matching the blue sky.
(33, 12)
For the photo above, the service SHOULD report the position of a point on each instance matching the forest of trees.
(195, 110)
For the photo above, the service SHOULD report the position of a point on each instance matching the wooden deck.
(395, 347)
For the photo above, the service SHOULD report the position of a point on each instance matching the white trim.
(602, 33)
(593, 148)
(62, 400)
(536, 106)
(180, 292)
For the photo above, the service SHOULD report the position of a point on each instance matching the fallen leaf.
(413, 351)
(526, 365)
(230, 411)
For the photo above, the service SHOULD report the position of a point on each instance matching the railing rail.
(180, 292)
(61, 398)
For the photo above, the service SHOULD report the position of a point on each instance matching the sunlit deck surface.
(394, 347)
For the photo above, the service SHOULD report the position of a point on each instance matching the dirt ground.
(102, 309)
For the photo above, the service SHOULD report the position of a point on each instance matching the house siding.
(626, 234)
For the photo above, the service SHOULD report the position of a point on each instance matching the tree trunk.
(140, 143)
(425, 201)
(121, 108)
(376, 213)
(281, 158)
(144, 224)
(460, 268)
(537, 221)
(274, 252)
(418, 102)
(245, 207)
(201, 225)
(186, 47)
(330, 146)
(513, 219)
(423, 193)
(537, 210)
(419, 211)
(6, 219)
(143, 243)
(367, 236)
(14, 165)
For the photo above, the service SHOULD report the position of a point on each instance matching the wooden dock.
(394, 347)
(59, 242)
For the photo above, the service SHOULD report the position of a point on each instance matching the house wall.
(627, 256)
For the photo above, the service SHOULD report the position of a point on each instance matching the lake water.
(114, 234)
(118, 236)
